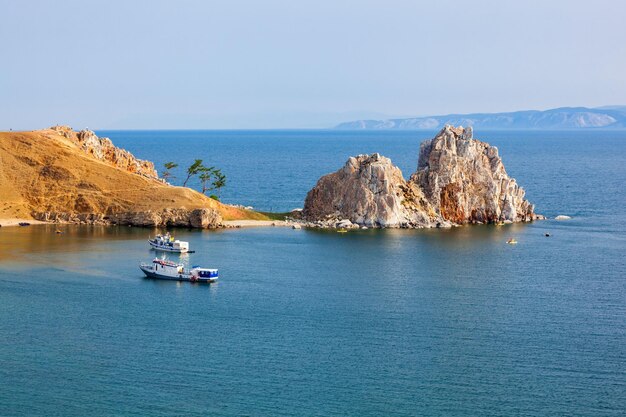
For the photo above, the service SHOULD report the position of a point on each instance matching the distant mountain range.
(607, 117)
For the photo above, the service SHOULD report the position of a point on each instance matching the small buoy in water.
(511, 241)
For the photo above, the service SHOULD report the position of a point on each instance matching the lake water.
(308, 322)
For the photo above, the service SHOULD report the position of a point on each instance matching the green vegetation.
(211, 178)
(205, 177)
(166, 174)
(193, 170)
(219, 182)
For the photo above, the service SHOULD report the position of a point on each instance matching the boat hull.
(180, 277)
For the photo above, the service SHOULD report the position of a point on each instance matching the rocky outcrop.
(459, 180)
(369, 190)
(465, 180)
(202, 218)
(103, 150)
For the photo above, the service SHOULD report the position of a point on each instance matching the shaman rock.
(459, 180)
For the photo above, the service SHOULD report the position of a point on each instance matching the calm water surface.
(392, 322)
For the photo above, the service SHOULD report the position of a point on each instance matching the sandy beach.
(256, 223)
(16, 222)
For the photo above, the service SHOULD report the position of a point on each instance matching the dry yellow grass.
(43, 171)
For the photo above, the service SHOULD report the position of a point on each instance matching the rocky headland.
(60, 175)
(459, 180)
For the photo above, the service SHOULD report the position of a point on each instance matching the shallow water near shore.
(310, 322)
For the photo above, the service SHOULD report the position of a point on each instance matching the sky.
(301, 64)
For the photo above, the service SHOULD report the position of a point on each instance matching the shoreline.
(256, 223)
(12, 222)
(237, 224)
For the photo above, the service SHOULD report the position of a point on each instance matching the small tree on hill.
(193, 170)
(166, 174)
(205, 177)
(219, 182)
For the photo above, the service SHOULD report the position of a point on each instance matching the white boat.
(167, 243)
(168, 270)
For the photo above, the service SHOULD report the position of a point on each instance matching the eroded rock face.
(203, 218)
(369, 190)
(104, 150)
(465, 181)
(459, 180)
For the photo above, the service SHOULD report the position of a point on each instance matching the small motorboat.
(168, 244)
(511, 241)
(171, 271)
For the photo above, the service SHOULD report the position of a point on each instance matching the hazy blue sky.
(246, 64)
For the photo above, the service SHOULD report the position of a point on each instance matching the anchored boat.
(168, 270)
(167, 243)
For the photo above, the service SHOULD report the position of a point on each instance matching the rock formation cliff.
(465, 180)
(60, 175)
(459, 180)
(201, 218)
(104, 150)
(369, 190)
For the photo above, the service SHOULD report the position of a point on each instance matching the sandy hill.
(58, 173)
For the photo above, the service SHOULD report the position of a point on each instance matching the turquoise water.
(387, 322)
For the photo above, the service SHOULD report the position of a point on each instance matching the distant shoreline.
(567, 118)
